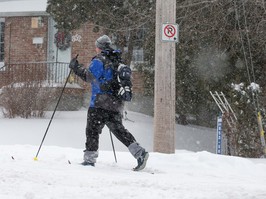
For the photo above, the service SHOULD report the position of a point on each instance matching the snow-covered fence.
(49, 72)
(29, 89)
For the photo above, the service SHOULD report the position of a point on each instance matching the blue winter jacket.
(100, 74)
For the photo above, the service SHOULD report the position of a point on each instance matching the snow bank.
(183, 175)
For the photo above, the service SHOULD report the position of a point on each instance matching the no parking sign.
(170, 32)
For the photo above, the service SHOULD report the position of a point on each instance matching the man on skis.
(105, 106)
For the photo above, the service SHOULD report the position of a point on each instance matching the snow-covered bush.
(27, 99)
(246, 138)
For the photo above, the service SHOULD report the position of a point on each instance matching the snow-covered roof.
(22, 7)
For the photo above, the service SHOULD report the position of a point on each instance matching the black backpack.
(121, 84)
(123, 76)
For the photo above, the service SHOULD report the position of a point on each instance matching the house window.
(36, 22)
(138, 55)
(2, 41)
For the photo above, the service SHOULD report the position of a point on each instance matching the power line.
(249, 49)
(255, 101)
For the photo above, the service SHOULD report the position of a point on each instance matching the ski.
(133, 169)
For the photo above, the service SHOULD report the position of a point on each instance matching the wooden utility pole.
(164, 99)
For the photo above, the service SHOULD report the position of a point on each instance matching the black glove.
(74, 64)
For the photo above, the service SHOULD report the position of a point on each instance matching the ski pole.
(2, 67)
(113, 145)
(126, 118)
(36, 157)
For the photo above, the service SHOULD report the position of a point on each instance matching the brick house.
(27, 34)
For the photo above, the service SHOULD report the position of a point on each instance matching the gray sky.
(10, 0)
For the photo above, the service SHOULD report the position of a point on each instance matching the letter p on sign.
(170, 32)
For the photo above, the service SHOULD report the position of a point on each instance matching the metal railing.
(46, 72)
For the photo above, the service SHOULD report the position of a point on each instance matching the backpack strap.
(105, 60)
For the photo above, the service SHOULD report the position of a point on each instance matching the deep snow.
(183, 175)
(190, 173)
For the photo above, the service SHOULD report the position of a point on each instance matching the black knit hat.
(103, 42)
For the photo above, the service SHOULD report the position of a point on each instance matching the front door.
(59, 51)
